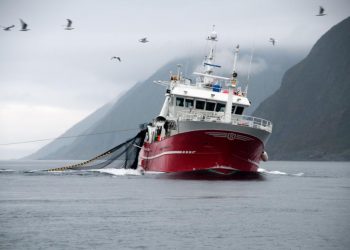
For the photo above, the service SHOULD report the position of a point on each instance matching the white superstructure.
(210, 97)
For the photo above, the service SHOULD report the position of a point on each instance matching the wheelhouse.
(180, 103)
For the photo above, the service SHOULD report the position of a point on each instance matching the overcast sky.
(51, 78)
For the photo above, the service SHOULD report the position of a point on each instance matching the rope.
(66, 137)
(81, 164)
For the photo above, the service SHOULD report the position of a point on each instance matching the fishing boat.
(202, 127)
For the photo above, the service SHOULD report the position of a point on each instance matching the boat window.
(233, 109)
(210, 106)
(200, 104)
(239, 110)
(220, 107)
(189, 103)
(179, 101)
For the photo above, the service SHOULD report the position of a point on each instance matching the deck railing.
(211, 116)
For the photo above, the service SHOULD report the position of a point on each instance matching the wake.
(118, 171)
(92, 172)
(276, 172)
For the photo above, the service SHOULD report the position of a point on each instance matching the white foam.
(7, 170)
(298, 174)
(118, 172)
(276, 172)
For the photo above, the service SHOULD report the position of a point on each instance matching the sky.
(51, 78)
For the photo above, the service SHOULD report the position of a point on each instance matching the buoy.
(264, 156)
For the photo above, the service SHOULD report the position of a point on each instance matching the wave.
(110, 171)
(7, 170)
(276, 172)
(118, 171)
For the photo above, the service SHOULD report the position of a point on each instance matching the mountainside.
(78, 129)
(311, 109)
(142, 103)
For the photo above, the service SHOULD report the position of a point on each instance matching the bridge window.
(239, 110)
(200, 104)
(179, 101)
(210, 106)
(220, 107)
(189, 103)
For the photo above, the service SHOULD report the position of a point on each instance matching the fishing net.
(125, 155)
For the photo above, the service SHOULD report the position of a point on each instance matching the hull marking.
(230, 136)
(168, 153)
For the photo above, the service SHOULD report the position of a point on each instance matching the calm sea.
(293, 205)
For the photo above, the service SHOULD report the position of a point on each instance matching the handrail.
(212, 116)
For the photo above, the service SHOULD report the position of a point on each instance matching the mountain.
(142, 103)
(311, 109)
(69, 136)
(138, 105)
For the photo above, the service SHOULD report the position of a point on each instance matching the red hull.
(216, 151)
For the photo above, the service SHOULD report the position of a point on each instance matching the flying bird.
(273, 41)
(143, 40)
(69, 25)
(116, 57)
(8, 28)
(23, 26)
(321, 12)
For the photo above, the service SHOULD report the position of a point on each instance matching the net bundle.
(125, 155)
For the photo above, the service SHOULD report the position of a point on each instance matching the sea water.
(293, 205)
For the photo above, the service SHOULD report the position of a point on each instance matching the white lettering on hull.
(168, 153)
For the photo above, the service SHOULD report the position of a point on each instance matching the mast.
(209, 60)
(231, 86)
(164, 112)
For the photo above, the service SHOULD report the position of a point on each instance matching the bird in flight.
(116, 57)
(273, 41)
(8, 28)
(321, 12)
(69, 25)
(24, 26)
(143, 40)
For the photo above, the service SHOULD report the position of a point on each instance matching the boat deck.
(211, 116)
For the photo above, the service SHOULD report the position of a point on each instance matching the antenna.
(234, 73)
(235, 61)
(231, 86)
(249, 70)
(178, 71)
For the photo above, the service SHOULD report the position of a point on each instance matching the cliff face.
(311, 109)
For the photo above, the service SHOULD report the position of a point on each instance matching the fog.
(51, 78)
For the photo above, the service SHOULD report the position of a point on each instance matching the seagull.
(8, 28)
(23, 26)
(321, 12)
(143, 40)
(116, 57)
(273, 41)
(69, 25)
